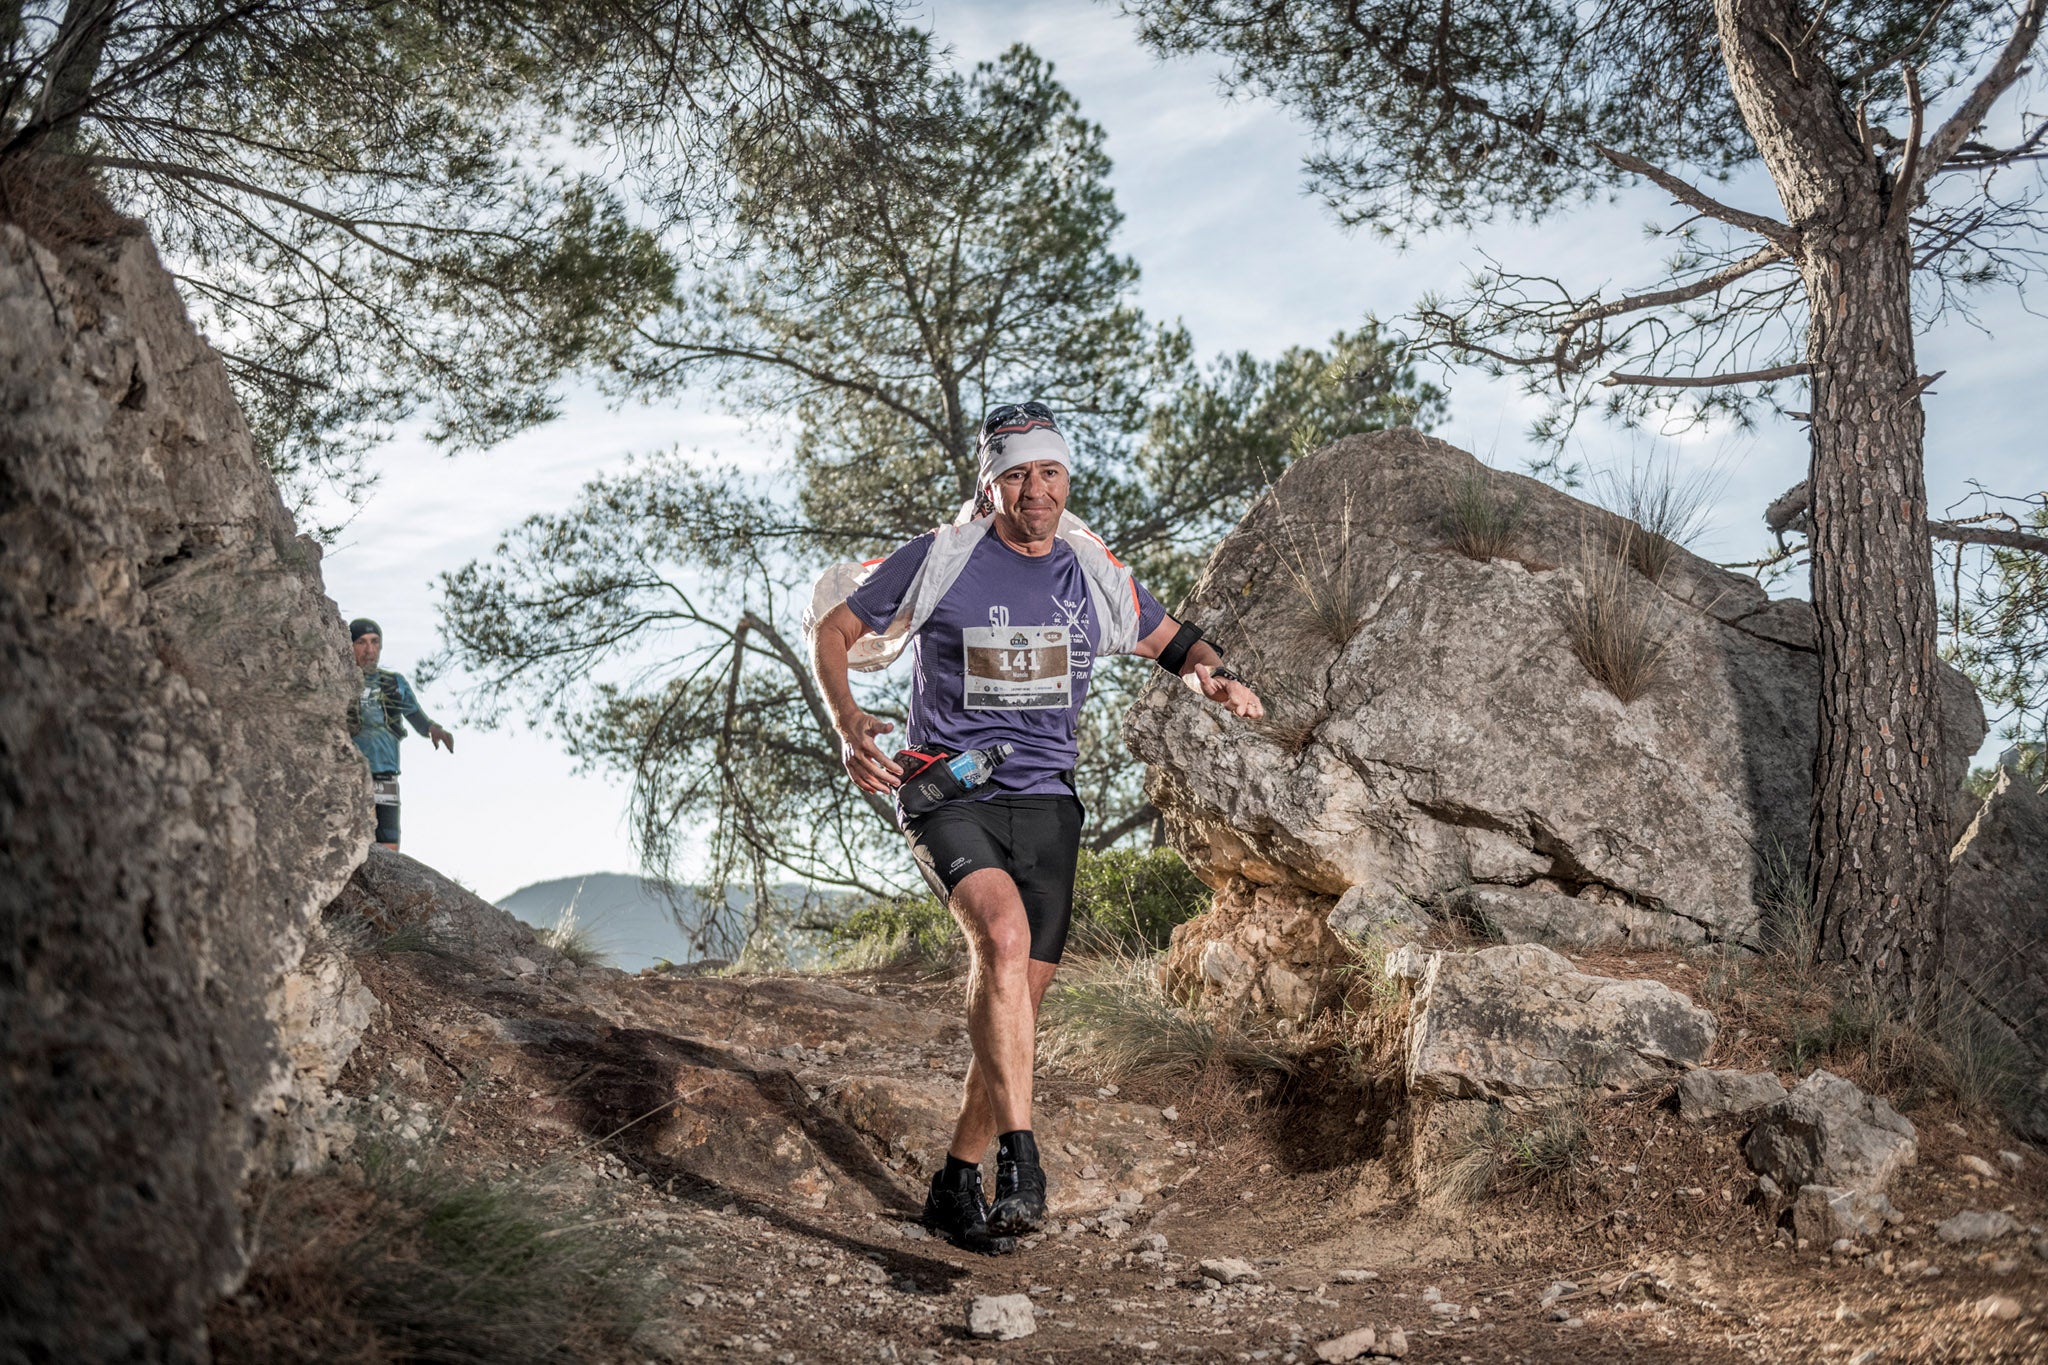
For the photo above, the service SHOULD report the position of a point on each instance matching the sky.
(1215, 217)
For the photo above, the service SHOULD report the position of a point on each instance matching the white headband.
(1007, 452)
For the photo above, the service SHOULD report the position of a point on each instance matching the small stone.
(2012, 1161)
(1091, 1172)
(524, 966)
(1997, 1307)
(1229, 1270)
(1003, 1317)
(1350, 1346)
(1393, 1345)
(1558, 1289)
(2041, 1247)
(1708, 1094)
(1767, 1187)
(1130, 1198)
(1977, 1165)
(1356, 1276)
(1446, 1310)
(1975, 1225)
(1170, 1114)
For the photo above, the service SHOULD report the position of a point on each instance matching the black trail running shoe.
(1020, 1198)
(957, 1212)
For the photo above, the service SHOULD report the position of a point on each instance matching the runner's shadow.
(622, 1087)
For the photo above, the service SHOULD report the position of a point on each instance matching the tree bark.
(74, 63)
(1879, 822)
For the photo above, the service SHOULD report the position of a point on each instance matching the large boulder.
(1431, 733)
(178, 798)
(1828, 1132)
(1519, 1023)
(1997, 943)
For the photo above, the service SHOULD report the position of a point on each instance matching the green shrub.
(1132, 899)
(902, 929)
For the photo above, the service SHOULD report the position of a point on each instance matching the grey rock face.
(179, 800)
(1976, 1225)
(1828, 1132)
(1532, 914)
(1003, 1317)
(1453, 739)
(1519, 1022)
(1824, 1214)
(1997, 942)
(1382, 918)
(1707, 1094)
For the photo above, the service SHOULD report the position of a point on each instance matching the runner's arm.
(416, 715)
(1230, 694)
(870, 768)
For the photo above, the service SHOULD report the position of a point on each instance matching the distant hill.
(631, 924)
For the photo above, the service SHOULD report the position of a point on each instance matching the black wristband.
(1175, 656)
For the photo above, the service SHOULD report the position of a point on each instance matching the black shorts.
(1036, 839)
(384, 799)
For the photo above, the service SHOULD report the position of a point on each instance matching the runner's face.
(1030, 498)
(368, 647)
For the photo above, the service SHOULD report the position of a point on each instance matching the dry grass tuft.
(1479, 520)
(1667, 511)
(57, 202)
(408, 1259)
(1551, 1153)
(1316, 557)
(1618, 625)
(1114, 1022)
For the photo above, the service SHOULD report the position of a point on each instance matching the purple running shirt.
(1005, 658)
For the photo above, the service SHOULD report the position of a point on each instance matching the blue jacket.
(387, 697)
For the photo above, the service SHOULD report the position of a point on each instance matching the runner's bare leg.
(1002, 1008)
(976, 1128)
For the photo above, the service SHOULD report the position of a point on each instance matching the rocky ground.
(761, 1143)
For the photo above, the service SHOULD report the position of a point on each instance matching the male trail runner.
(387, 698)
(1004, 656)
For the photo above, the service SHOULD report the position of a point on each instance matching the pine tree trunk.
(1879, 822)
(1879, 816)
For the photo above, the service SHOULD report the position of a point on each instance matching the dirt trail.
(765, 1139)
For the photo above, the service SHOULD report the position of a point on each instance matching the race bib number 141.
(1017, 668)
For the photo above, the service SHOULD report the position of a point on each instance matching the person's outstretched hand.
(440, 738)
(1228, 693)
(870, 768)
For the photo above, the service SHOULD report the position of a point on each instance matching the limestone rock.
(1003, 1317)
(1825, 1214)
(1708, 1094)
(179, 799)
(1453, 738)
(1998, 920)
(1378, 918)
(1591, 919)
(1348, 1347)
(1976, 1225)
(1828, 1132)
(1519, 1022)
(322, 1012)
(1229, 1270)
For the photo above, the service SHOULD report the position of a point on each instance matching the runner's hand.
(440, 738)
(870, 768)
(1233, 697)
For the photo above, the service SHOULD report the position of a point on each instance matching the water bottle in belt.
(932, 777)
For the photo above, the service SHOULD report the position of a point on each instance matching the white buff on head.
(1022, 440)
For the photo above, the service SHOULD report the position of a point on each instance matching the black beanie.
(362, 626)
